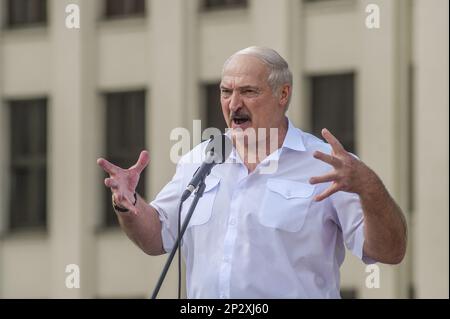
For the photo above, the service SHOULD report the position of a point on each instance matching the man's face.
(246, 97)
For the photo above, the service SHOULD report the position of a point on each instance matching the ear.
(285, 93)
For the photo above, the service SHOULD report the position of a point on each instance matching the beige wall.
(430, 232)
(173, 50)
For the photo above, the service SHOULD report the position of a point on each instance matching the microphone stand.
(199, 193)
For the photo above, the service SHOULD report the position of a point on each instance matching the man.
(266, 235)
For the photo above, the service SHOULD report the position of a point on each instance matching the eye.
(225, 92)
(250, 92)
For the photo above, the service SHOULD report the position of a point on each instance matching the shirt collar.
(293, 140)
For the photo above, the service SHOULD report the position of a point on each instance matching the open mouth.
(240, 119)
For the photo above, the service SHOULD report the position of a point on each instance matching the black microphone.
(217, 152)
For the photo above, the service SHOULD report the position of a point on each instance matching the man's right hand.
(123, 182)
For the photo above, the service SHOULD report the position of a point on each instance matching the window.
(125, 138)
(28, 164)
(26, 12)
(349, 293)
(332, 102)
(212, 107)
(124, 8)
(412, 292)
(223, 4)
(316, 1)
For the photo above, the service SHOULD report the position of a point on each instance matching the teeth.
(240, 121)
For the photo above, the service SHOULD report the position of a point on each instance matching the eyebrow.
(245, 87)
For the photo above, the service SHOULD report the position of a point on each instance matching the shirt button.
(288, 193)
(222, 296)
(232, 221)
(226, 259)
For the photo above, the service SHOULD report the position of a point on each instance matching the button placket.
(229, 242)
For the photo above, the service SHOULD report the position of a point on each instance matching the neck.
(266, 144)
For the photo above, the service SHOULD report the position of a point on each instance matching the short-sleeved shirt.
(262, 235)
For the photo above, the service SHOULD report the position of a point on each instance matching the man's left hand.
(349, 174)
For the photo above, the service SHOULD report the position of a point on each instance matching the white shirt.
(262, 235)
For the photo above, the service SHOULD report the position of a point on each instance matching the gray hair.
(279, 73)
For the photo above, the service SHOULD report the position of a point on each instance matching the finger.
(333, 141)
(111, 183)
(328, 192)
(330, 177)
(333, 161)
(142, 162)
(108, 167)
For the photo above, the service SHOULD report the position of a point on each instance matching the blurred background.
(137, 69)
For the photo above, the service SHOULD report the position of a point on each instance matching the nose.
(235, 101)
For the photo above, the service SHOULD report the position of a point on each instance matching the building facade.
(137, 69)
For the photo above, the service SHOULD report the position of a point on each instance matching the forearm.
(144, 229)
(384, 224)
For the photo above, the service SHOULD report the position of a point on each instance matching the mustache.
(239, 115)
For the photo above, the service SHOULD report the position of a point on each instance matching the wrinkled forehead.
(245, 68)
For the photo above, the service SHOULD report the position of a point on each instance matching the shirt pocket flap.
(203, 211)
(211, 182)
(290, 189)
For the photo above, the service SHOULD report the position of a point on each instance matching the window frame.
(206, 89)
(206, 6)
(11, 23)
(35, 161)
(115, 153)
(349, 143)
(108, 16)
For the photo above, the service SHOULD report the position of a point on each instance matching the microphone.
(217, 152)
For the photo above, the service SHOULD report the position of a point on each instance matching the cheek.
(225, 109)
(263, 113)
(224, 104)
(257, 108)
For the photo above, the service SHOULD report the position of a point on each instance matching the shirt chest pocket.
(203, 210)
(285, 204)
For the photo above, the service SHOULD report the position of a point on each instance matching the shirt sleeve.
(351, 219)
(166, 204)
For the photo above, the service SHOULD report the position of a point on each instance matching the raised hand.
(123, 182)
(349, 174)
